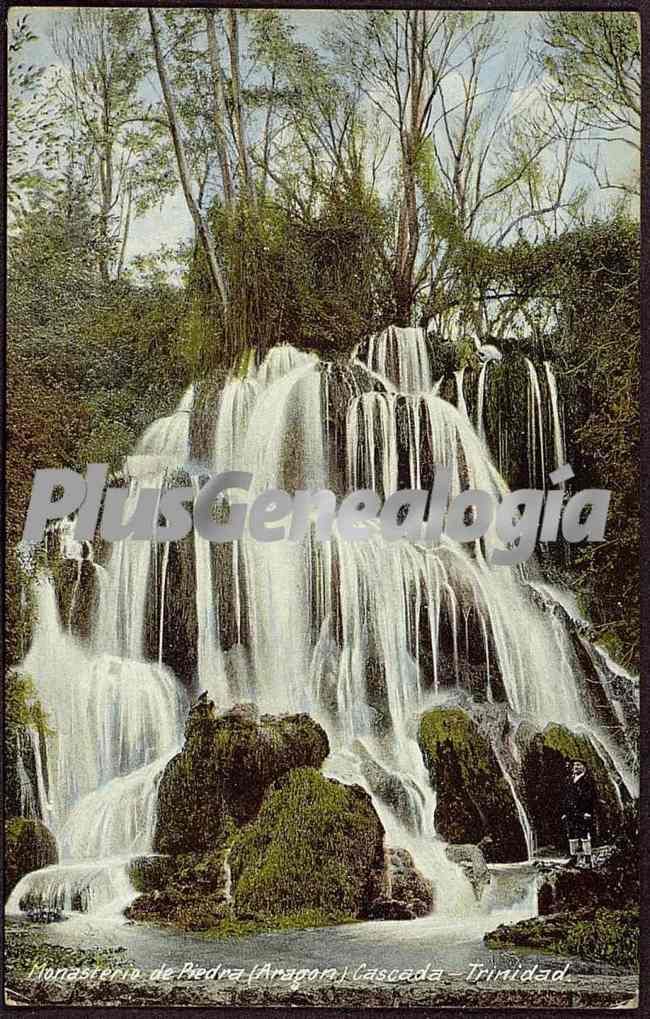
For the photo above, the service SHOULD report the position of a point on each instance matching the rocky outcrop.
(547, 757)
(405, 892)
(613, 881)
(472, 862)
(250, 832)
(226, 766)
(562, 888)
(474, 801)
(385, 908)
(28, 846)
(594, 934)
(315, 845)
(188, 891)
(407, 884)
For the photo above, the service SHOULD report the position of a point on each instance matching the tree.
(593, 61)
(115, 140)
(33, 136)
(202, 229)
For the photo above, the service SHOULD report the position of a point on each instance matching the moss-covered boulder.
(150, 873)
(594, 934)
(546, 761)
(315, 845)
(474, 801)
(222, 774)
(190, 891)
(29, 845)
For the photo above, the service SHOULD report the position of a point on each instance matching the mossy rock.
(545, 772)
(224, 770)
(29, 845)
(151, 873)
(594, 934)
(315, 845)
(186, 891)
(474, 801)
(566, 889)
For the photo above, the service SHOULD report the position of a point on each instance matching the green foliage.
(320, 281)
(595, 62)
(612, 937)
(34, 132)
(22, 706)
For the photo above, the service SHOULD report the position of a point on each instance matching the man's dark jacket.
(579, 800)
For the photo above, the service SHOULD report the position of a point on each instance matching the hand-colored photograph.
(321, 565)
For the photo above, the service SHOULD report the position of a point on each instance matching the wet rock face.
(563, 889)
(222, 774)
(546, 762)
(407, 884)
(472, 861)
(474, 800)
(20, 790)
(315, 845)
(29, 845)
(385, 908)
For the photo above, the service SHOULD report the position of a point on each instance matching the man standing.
(578, 814)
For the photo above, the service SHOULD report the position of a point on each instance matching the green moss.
(313, 846)
(545, 772)
(473, 798)
(22, 706)
(597, 935)
(306, 918)
(226, 767)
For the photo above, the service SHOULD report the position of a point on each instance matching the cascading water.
(362, 636)
(116, 718)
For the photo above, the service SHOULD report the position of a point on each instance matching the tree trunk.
(235, 78)
(218, 108)
(202, 229)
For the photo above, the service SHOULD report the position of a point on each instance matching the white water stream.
(336, 629)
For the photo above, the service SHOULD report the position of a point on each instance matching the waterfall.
(480, 403)
(460, 395)
(227, 876)
(401, 356)
(558, 435)
(526, 826)
(536, 444)
(363, 636)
